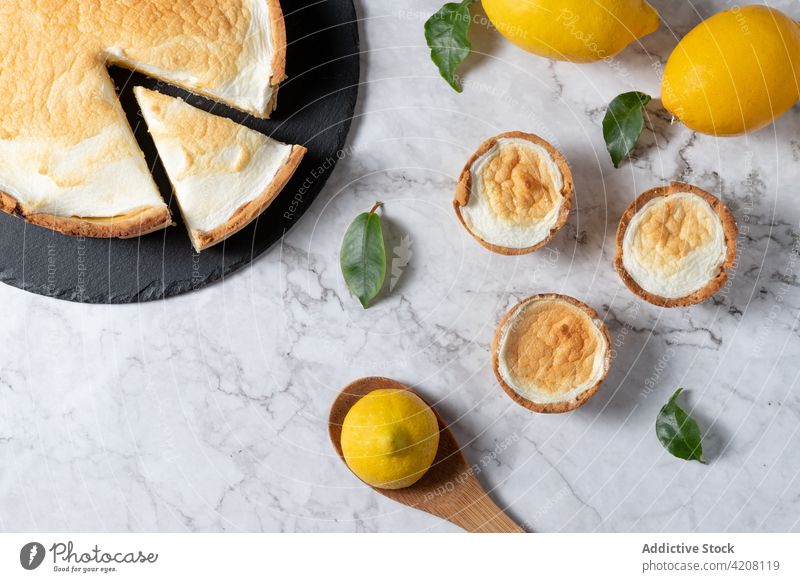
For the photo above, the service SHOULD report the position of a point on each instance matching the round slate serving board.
(315, 107)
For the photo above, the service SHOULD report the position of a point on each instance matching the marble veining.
(208, 412)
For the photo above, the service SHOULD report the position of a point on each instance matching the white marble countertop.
(208, 412)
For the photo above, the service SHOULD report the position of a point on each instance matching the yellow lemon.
(390, 438)
(735, 72)
(572, 30)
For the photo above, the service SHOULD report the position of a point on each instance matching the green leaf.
(678, 431)
(363, 256)
(446, 33)
(623, 124)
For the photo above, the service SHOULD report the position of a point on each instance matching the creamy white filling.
(48, 177)
(209, 200)
(69, 185)
(536, 393)
(697, 268)
(250, 90)
(482, 220)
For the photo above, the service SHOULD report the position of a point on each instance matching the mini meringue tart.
(514, 193)
(675, 245)
(551, 353)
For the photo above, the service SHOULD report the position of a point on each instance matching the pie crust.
(130, 226)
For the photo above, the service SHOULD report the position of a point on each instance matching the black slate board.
(315, 107)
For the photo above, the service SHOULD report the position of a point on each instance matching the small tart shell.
(464, 189)
(729, 229)
(551, 407)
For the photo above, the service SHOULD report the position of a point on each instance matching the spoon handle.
(478, 514)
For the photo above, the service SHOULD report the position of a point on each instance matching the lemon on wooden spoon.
(390, 438)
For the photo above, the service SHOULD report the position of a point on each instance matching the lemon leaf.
(447, 35)
(363, 256)
(623, 124)
(679, 432)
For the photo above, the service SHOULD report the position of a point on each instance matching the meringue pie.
(68, 158)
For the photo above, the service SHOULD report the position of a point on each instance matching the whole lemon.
(390, 438)
(572, 30)
(735, 72)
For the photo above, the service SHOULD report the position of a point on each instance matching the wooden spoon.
(449, 489)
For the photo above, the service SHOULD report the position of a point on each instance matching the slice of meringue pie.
(675, 245)
(224, 175)
(551, 353)
(514, 193)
